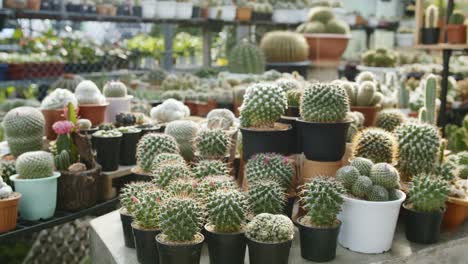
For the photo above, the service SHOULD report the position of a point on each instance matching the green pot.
(39, 196)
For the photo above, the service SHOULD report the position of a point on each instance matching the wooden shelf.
(442, 46)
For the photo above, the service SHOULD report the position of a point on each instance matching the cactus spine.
(167, 172)
(270, 166)
(428, 193)
(148, 208)
(226, 210)
(266, 197)
(324, 103)
(427, 114)
(375, 144)
(35, 165)
(212, 144)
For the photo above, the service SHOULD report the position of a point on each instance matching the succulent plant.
(220, 119)
(88, 93)
(125, 119)
(363, 165)
(431, 17)
(62, 160)
(457, 18)
(314, 27)
(5, 189)
(131, 191)
(210, 184)
(246, 58)
(157, 76)
(169, 110)
(375, 144)
(284, 46)
(184, 186)
(35, 165)
(66, 81)
(378, 194)
(324, 103)
(269, 228)
(147, 208)
(167, 172)
(227, 210)
(59, 99)
(427, 193)
(205, 168)
(288, 84)
(380, 58)
(427, 113)
(114, 89)
(389, 119)
(385, 175)
(83, 124)
(150, 145)
(106, 126)
(336, 26)
(365, 94)
(270, 166)
(266, 197)
(212, 144)
(321, 14)
(166, 158)
(448, 171)
(357, 122)
(7, 169)
(184, 132)
(365, 76)
(24, 129)
(347, 175)
(361, 187)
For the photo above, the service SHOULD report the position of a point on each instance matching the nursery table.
(107, 246)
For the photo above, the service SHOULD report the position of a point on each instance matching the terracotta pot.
(369, 112)
(455, 215)
(204, 108)
(101, 9)
(51, 116)
(192, 106)
(456, 34)
(34, 4)
(244, 14)
(326, 47)
(15, 4)
(9, 212)
(95, 113)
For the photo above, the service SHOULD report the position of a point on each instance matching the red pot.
(51, 116)
(9, 212)
(456, 34)
(456, 214)
(369, 112)
(95, 113)
(326, 47)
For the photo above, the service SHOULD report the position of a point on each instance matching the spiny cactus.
(284, 46)
(321, 14)
(431, 17)
(457, 18)
(361, 187)
(166, 158)
(322, 199)
(184, 132)
(324, 103)
(375, 144)
(357, 122)
(169, 110)
(183, 186)
(24, 129)
(167, 172)
(150, 145)
(210, 184)
(294, 97)
(363, 165)
(62, 160)
(246, 58)
(227, 210)
(378, 194)
(59, 99)
(220, 119)
(314, 27)
(389, 119)
(366, 94)
(125, 119)
(212, 144)
(66, 81)
(147, 208)
(157, 76)
(336, 26)
(288, 84)
(263, 105)
(365, 76)
(269, 228)
(114, 89)
(347, 175)
(380, 58)
(35, 165)
(266, 197)
(130, 192)
(270, 166)
(427, 193)
(204, 168)
(427, 113)
(7, 169)
(385, 175)
(88, 93)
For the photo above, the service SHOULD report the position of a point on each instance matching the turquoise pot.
(39, 196)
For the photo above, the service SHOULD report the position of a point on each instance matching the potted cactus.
(166, 9)
(205, 168)
(430, 31)
(52, 108)
(107, 144)
(37, 182)
(266, 196)
(149, 146)
(9, 201)
(375, 144)
(244, 11)
(425, 208)
(212, 144)
(323, 125)
(169, 110)
(319, 228)
(225, 228)
(184, 132)
(246, 58)
(130, 137)
(371, 206)
(389, 119)
(379, 62)
(92, 104)
(176, 244)
(269, 238)
(456, 29)
(119, 102)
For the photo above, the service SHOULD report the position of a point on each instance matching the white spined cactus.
(88, 93)
(58, 99)
(169, 110)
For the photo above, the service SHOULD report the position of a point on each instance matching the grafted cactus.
(212, 144)
(150, 145)
(324, 103)
(269, 228)
(226, 210)
(266, 197)
(375, 144)
(35, 165)
(270, 166)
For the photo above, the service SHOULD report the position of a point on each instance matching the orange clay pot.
(9, 212)
(369, 112)
(51, 116)
(95, 113)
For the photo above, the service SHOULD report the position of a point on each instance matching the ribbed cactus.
(130, 192)
(150, 145)
(378, 194)
(62, 160)
(385, 175)
(361, 187)
(322, 200)
(284, 46)
(114, 89)
(220, 119)
(363, 165)
(380, 58)
(375, 144)
(166, 158)
(427, 114)
(324, 103)
(147, 208)
(210, 184)
(431, 17)
(269, 228)
(389, 119)
(428, 193)
(204, 168)
(347, 175)
(184, 132)
(24, 129)
(457, 18)
(226, 210)
(270, 166)
(263, 105)
(212, 144)
(35, 165)
(185, 186)
(167, 172)
(266, 197)
(88, 93)
(246, 58)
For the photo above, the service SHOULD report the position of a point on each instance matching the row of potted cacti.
(431, 29)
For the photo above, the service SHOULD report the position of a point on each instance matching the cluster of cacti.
(35, 165)
(150, 145)
(427, 113)
(7, 169)
(270, 166)
(431, 17)
(322, 20)
(322, 199)
(363, 93)
(59, 99)
(114, 89)
(147, 208)
(270, 228)
(205, 168)
(107, 133)
(266, 196)
(125, 119)
(389, 119)
(375, 144)
(460, 161)
(211, 184)
(169, 110)
(5, 189)
(185, 186)
(130, 192)
(284, 46)
(83, 124)
(427, 193)
(380, 58)
(226, 210)
(212, 144)
(325, 103)
(263, 105)
(166, 158)
(220, 119)
(156, 76)
(167, 172)
(24, 129)
(184, 132)
(87, 93)
(67, 81)
(106, 126)
(357, 122)
(446, 171)
(246, 58)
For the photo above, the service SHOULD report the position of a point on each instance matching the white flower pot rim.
(15, 178)
(327, 35)
(382, 69)
(373, 203)
(120, 98)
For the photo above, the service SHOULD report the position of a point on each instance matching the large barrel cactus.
(246, 58)
(284, 46)
(325, 103)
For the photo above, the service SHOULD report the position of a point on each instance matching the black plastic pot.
(323, 141)
(145, 245)
(318, 244)
(292, 111)
(430, 35)
(264, 141)
(196, 12)
(179, 254)
(265, 253)
(295, 147)
(128, 148)
(225, 248)
(137, 11)
(288, 209)
(146, 129)
(108, 152)
(127, 229)
(300, 67)
(88, 132)
(421, 227)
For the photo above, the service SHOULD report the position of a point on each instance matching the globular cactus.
(166, 158)
(67, 81)
(266, 197)
(114, 89)
(24, 129)
(322, 199)
(366, 94)
(227, 210)
(62, 160)
(385, 175)
(378, 194)
(380, 58)
(431, 17)
(288, 84)
(211, 184)
(35, 165)
(83, 124)
(361, 187)
(428, 193)
(457, 18)
(336, 26)
(389, 119)
(212, 144)
(205, 168)
(131, 191)
(427, 114)
(167, 172)
(5, 189)
(169, 110)
(150, 145)
(59, 99)
(321, 14)
(125, 119)
(315, 27)
(447, 171)
(88, 93)
(184, 132)
(246, 58)
(270, 228)
(7, 169)
(220, 119)
(365, 76)
(156, 76)
(363, 165)
(263, 105)
(375, 144)
(147, 208)
(270, 166)
(284, 46)
(324, 103)
(181, 218)
(347, 175)
(185, 186)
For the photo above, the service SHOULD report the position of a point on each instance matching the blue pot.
(3, 71)
(39, 196)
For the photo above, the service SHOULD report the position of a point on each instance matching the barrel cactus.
(150, 145)
(389, 119)
(88, 93)
(380, 58)
(212, 144)
(166, 158)
(220, 119)
(115, 89)
(270, 166)
(59, 99)
(183, 186)
(35, 165)
(284, 46)
(184, 132)
(428, 193)
(204, 168)
(266, 197)
(167, 172)
(147, 208)
(211, 184)
(226, 210)
(375, 144)
(385, 175)
(269, 228)
(324, 103)
(246, 58)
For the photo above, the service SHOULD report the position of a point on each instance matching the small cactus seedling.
(269, 228)
(227, 210)
(266, 197)
(270, 166)
(428, 193)
(375, 144)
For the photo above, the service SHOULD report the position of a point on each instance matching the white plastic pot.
(214, 12)
(117, 105)
(228, 12)
(166, 9)
(405, 39)
(148, 9)
(184, 10)
(280, 16)
(369, 227)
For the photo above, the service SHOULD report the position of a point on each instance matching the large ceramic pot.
(95, 113)
(117, 105)
(326, 47)
(9, 212)
(51, 116)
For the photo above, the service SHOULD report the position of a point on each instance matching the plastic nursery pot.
(292, 111)
(318, 243)
(78, 190)
(295, 147)
(117, 105)
(51, 116)
(323, 141)
(39, 196)
(256, 141)
(456, 34)
(88, 132)
(455, 214)
(145, 245)
(9, 212)
(108, 152)
(288, 208)
(422, 227)
(369, 112)
(95, 113)
(126, 221)
(430, 35)
(179, 253)
(128, 148)
(268, 253)
(225, 248)
(146, 129)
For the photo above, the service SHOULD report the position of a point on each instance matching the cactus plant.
(288, 84)
(125, 119)
(59, 99)
(246, 58)
(184, 132)
(457, 18)
(5, 189)
(385, 175)
(427, 113)
(167, 172)
(284, 46)
(389, 119)
(270, 166)
(294, 97)
(156, 76)
(220, 119)
(114, 89)
(147, 208)
(375, 144)
(356, 124)
(166, 158)
(210, 184)
(130, 192)
(431, 17)
(361, 187)
(183, 186)
(35, 165)
(363, 165)
(62, 160)
(378, 194)
(67, 81)
(150, 145)
(7, 169)
(84, 124)
(212, 144)
(365, 76)
(169, 110)
(427, 193)
(347, 175)
(226, 210)
(315, 27)
(324, 103)
(366, 94)
(321, 14)
(205, 168)
(88, 93)
(269, 228)
(380, 58)
(266, 197)
(24, 128)
(336, 26)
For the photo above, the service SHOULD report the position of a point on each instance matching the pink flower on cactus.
(134, 199)
(62, 127)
